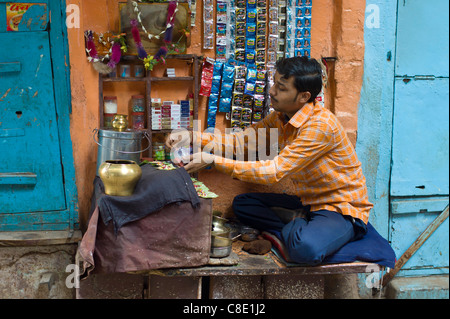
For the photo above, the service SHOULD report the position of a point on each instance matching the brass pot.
(119, 176)
(218, 241)
(218, 222)
(120, 122)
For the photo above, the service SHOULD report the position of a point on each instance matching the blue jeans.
(308, 240)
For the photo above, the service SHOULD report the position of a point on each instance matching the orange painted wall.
(337, 31)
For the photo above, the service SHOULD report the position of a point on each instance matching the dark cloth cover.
(155, 189)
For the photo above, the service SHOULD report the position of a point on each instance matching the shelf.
(125, 79)
(192, 63)
(170, 130)
(151, 78)
(177, 78)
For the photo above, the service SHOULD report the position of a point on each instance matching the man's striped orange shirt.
(315, 153)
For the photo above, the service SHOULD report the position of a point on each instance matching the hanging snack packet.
(227, 88)
(246, 115)
(236, 113)
(207, 74)
(212, 110)
(214, 96)
(250, 80)
(239, 85)
(258, 102)
(238, 99)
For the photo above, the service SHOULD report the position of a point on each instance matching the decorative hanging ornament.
(113, 56)
(151, 61)
(171, 11)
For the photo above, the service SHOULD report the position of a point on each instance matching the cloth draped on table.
(164, 224)
(155, 189)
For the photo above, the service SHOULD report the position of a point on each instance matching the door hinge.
(425, 77)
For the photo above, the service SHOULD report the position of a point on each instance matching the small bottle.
(158, 152)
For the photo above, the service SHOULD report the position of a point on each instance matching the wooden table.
(254, 276)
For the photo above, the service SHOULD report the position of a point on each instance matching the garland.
(151, 61)
(118, 43)
(171, 10)
(114, 54)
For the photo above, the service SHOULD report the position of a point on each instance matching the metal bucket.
(114, 145)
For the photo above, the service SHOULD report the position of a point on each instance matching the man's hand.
(199, 161)
(179, 138)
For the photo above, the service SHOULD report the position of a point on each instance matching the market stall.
(148, 215)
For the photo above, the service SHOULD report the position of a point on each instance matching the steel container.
(114, 145)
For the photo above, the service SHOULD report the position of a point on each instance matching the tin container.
(114, 145)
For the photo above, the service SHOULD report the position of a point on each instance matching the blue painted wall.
(19, 214)
(376, 107)
(399, 134)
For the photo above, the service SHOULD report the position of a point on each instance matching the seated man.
(331, 206)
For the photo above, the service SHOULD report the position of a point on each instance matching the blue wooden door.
(420, 143)
(31, 173)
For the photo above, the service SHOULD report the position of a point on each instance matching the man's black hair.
(307, 74)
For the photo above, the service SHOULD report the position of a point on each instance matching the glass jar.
(139, 71)
(137, 103)
(107, 120)
(125, 70)
(138, 120)
(159, 152)
(110, 105)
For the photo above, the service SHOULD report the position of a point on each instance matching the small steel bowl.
(220, 252)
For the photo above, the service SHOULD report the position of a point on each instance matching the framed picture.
(153, 17)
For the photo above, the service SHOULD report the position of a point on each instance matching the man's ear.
(303, 97)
